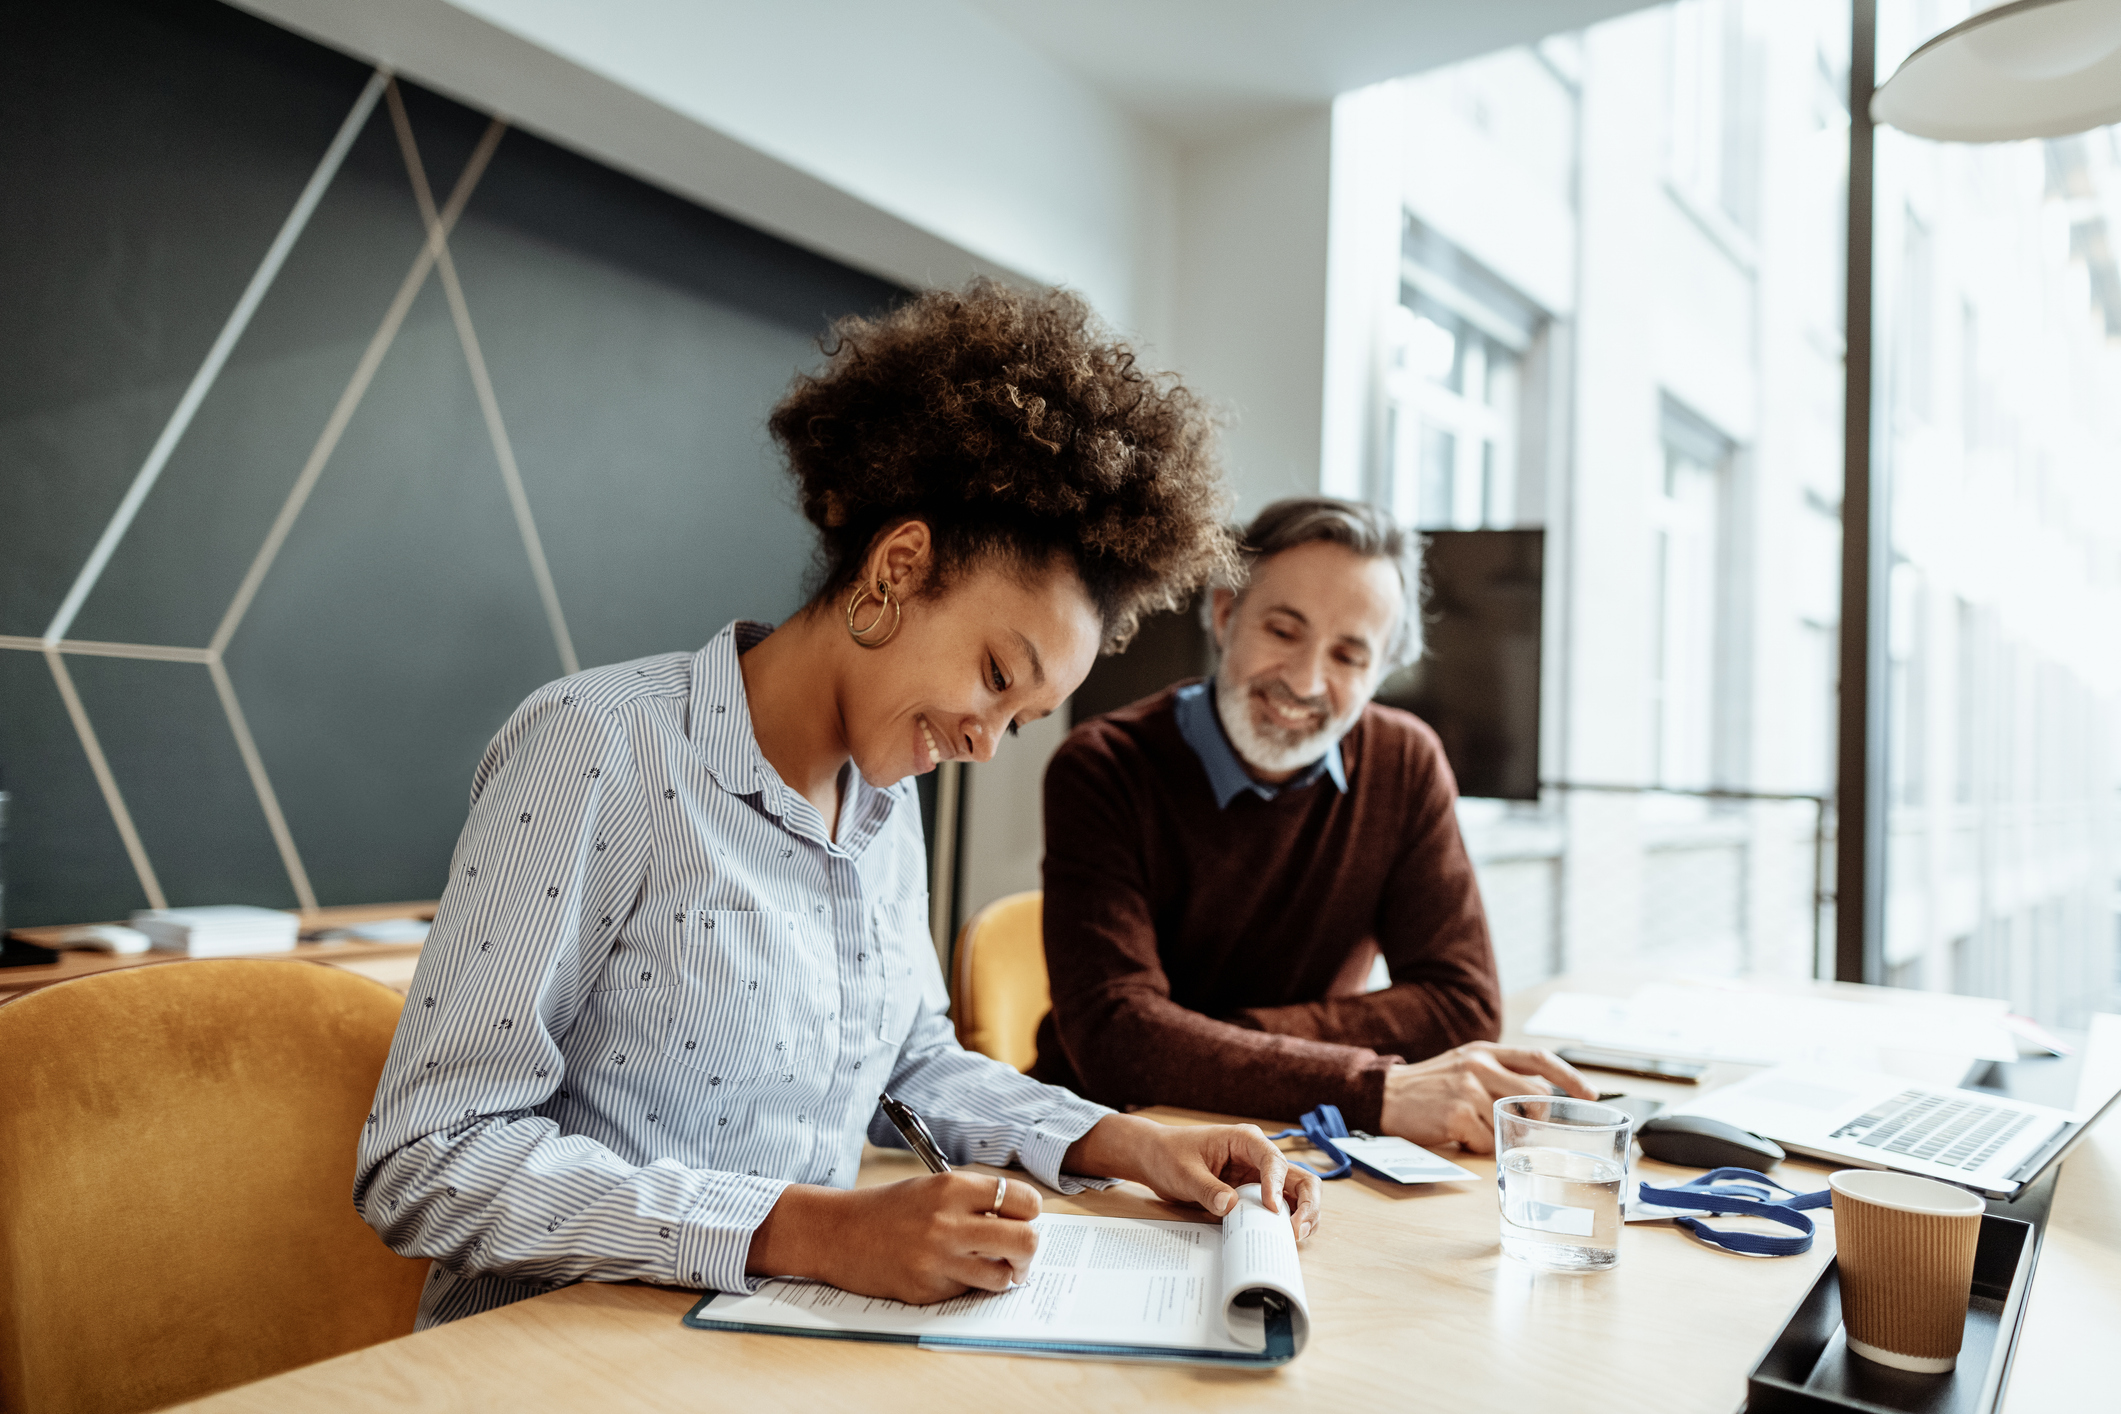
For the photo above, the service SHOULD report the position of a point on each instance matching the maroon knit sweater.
(1214, 958)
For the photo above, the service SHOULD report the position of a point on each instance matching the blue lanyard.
(1321, 1127)
(1726, 1192)
(1742, 1193)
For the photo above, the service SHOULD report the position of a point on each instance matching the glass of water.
(1559, 1165)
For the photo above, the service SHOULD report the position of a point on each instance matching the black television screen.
(1478, 682)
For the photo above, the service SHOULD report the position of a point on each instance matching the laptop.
(1866, 1119)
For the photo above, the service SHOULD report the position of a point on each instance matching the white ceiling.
(1196, 67)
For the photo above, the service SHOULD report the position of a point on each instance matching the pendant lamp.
(2024, 69)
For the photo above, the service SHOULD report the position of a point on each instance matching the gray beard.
(1272, 749)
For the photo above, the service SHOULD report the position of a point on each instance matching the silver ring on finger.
(1001, 1195)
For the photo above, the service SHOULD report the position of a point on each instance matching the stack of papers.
(1761, 1028)
(232, 930)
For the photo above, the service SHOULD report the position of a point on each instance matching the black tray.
(1808, 1368)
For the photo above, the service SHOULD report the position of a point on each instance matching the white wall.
(1364, 240)
(860, 131)
(893, 104)
(1249, 303)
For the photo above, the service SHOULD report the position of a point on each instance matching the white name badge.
(1549, 1217)
(1402, 1162)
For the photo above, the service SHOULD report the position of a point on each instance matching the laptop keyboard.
(1943, 1129)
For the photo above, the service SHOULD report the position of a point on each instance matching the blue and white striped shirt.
(656, 993)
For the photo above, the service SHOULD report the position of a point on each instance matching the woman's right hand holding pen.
(918, 1240)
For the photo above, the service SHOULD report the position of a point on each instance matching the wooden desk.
(388, 963)
(1413, 1307)
(2075, 1309)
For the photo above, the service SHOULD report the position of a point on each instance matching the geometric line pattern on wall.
(489, 406)
(433, 257)
(210, 367)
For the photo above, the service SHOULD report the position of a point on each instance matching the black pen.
(918, 1139)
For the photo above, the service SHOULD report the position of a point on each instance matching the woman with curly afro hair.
(684, 946)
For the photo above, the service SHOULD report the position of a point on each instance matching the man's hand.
(1451, 1098)
(918, 1240)
(1200, 1163)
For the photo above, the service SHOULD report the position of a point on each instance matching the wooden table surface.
(2075, 1309)
(389, 963)
(1413, 1307)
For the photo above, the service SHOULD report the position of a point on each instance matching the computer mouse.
(1698, 1142)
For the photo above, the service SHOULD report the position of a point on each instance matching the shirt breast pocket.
(752, 996)
(911, 973)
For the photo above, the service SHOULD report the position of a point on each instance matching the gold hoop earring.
(885, 599)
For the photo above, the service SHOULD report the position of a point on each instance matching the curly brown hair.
(1014, 425)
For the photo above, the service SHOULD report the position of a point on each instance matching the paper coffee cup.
(1905, 1248)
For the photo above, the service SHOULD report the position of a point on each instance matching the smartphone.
(1630, 1063)
(1635, 1107)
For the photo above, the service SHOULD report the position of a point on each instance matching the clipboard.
(1280, 1332)
(1098, 1289)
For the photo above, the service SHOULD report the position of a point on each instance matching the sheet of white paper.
(1728, 1024)
(1403, 1161)
(2101, 1075)
(1115, 1280)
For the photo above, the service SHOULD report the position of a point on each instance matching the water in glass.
(1560, 1208)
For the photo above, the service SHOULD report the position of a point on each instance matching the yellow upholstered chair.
(176, 1182)
(1001, 992)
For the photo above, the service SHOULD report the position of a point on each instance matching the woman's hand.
(918, 1240)
(1451, 1098)
(1201, 1164)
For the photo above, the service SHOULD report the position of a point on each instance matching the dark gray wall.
(635, 342)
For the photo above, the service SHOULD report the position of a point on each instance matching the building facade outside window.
(1687, 700)
(1621, 321)
(1999, 391)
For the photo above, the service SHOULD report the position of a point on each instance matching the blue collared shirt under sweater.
(1194, 707)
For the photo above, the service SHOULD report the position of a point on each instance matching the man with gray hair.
(1227, 860)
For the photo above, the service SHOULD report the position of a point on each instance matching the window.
(1907, 686)
(1714, 123)
(1455, 377)
(1966, 658)
(1813, 686)
(2004, 706)
(1973, 401)
(1596, 333)
(1915, 357)
(1454, 413)
(1689, 602)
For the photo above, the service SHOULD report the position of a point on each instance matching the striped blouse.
(657, 992)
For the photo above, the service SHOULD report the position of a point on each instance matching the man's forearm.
(1413, 1020)
(1156, 1052)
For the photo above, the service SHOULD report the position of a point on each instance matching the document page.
(1758, 1028)
(1259, 1254)
(1117, 1281)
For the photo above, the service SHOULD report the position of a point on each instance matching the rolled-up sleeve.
(455, 1162)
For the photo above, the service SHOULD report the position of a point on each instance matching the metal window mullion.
(1860, 799)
